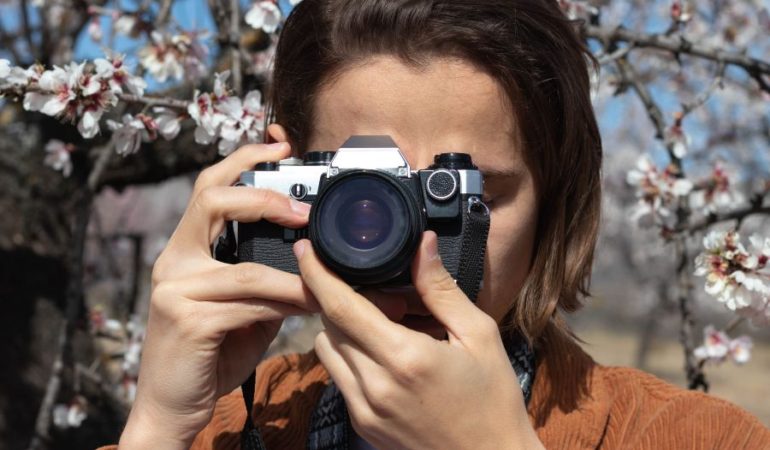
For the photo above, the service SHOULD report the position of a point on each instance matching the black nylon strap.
(475, 231)
(226, 251)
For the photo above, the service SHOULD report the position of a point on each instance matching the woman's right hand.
(210, 322)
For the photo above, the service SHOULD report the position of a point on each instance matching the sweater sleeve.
(287, 388)
(699, 421)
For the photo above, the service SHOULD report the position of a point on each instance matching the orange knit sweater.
(575, 404)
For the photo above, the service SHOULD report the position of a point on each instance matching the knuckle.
(338, 310)
(206, 200)
(409, 367)
(162, 299)
(264, 197)
(164, 266)
(205, 179)
(159, 271)
(487, 325)
(380, 396)
(248, 273)
(364, 422)
(442, 282)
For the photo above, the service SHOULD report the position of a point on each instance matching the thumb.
(441, 295)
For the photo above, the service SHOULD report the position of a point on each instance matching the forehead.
(443, 105)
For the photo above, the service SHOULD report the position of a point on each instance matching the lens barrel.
(365, 226)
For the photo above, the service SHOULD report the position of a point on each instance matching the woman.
(505, 81)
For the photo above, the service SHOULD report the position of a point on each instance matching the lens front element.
(365, 226)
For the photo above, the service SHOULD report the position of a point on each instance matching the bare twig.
(738, 214)
(156, 101)
(235, 33)
(703, 97)
(696, 379)
(163, 13)
(25, 27)
(678, 45)
(654, 112)
(43, 421)
(105, 154)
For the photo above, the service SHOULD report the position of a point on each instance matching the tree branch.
(696, 379)
(234, 41)
(630, 77)
(738, 214)
(163, 13)
(678, 45)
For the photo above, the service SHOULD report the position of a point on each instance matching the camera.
(369, 210)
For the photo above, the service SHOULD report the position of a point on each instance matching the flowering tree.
(687, 165)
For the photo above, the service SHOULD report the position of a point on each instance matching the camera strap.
(226, 251)
(470, 273)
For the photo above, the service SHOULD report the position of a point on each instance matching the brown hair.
(533, 51)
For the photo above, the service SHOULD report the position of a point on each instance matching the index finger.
(350, 312)
(227, 171)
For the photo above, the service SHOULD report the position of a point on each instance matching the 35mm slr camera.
(369, 210)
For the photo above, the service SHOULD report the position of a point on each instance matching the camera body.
(369, 210)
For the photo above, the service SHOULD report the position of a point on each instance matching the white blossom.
(736, 277)
(73, 93)
(113, 70)
(70, 415)
(682, 11)
(58, 156)
(16, 76)
(231, 120)
(95, 29)
(168, 122)
(578, 9)
(678, 139)
(126, 24)
(204, 110)
(718, 347)
(264, 15)
(657, 192)
(5, 69)
(178, 56)
(127, 135)
(244, 122)
(718, 193)
(58, 90)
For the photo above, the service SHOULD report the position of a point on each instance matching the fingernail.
(299, 249)
(301, 208)
(276, 145)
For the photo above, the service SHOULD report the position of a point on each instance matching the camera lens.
(365, 226)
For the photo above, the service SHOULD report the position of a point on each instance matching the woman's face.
(445, 106)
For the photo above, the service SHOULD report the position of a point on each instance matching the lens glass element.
(365, 224)
(362, 221)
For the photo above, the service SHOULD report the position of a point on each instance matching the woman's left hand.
(405, 389)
